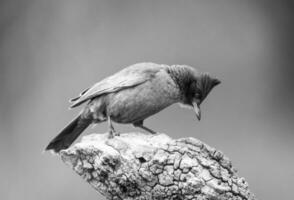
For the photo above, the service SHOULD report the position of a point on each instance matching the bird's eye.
(198, 95)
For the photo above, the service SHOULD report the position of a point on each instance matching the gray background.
(52, 50)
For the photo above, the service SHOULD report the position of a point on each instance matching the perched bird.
(134, 94)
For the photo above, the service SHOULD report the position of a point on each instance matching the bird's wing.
(128, 77)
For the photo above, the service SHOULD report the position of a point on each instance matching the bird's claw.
(116, 133)
(112, 134)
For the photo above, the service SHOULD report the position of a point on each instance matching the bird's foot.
(149, 130)
(116, 133)
(113, 133)
(140, 125)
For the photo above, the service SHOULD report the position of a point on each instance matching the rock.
(142, 166)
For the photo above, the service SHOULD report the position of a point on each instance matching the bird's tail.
(68, 135)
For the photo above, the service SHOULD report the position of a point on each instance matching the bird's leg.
(112, 132)
(140, 125)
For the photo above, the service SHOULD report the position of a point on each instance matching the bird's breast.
(139, 102)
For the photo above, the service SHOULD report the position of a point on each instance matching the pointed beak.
(197, 110)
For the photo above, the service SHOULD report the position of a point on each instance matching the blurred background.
(51, 50)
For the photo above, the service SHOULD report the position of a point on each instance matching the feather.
(81, 94)
(128, 77)
(207, 83)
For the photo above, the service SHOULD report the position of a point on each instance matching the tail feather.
(69, 134)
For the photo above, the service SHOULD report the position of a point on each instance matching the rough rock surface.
(143, 166)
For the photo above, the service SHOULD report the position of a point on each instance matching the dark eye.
(198, 95)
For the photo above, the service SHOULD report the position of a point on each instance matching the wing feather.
(128, 77)
(81, 94)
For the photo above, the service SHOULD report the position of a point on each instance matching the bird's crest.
(206, 84)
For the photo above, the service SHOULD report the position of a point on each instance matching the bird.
(132, 95)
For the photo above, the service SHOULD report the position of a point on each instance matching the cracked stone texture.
(142, 166)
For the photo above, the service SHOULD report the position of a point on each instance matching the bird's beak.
(197, 110)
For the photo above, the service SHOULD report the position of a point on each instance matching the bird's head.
(195, 86)
(198, 90)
